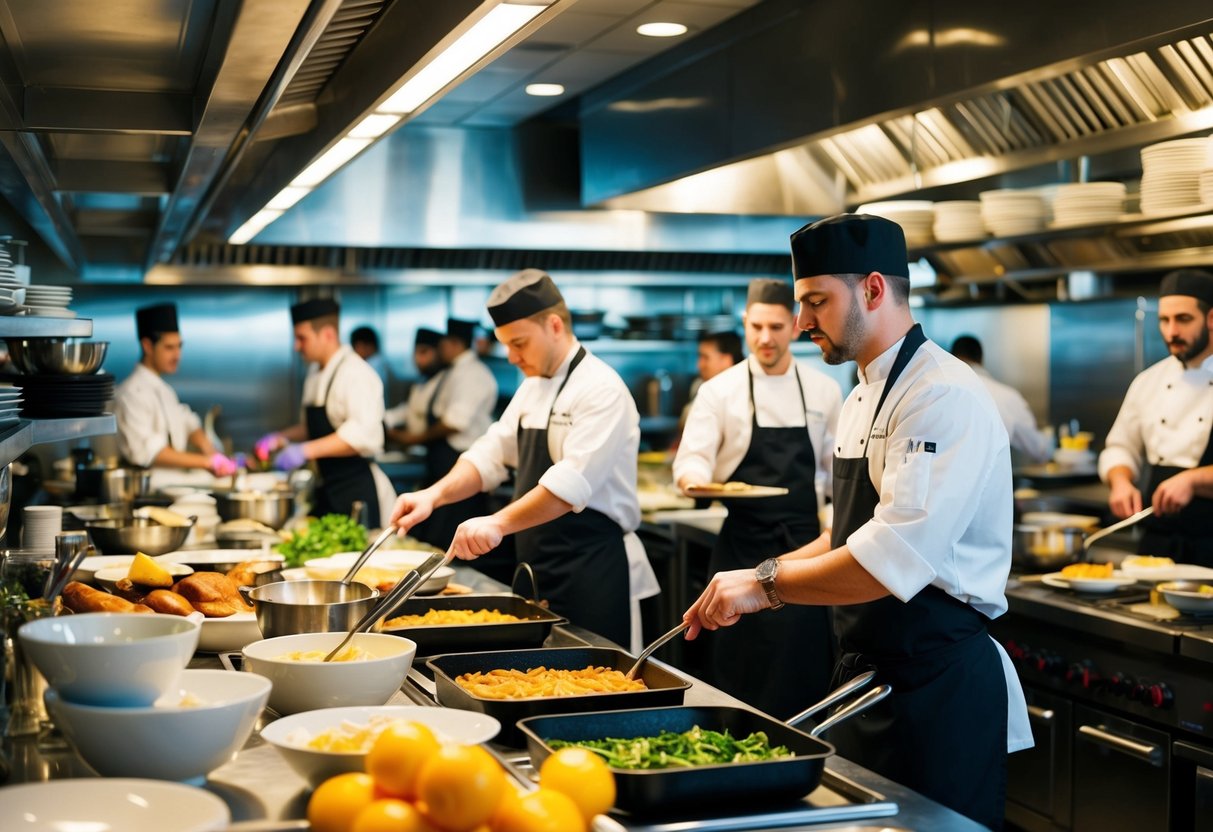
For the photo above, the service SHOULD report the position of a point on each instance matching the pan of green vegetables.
(672, 760)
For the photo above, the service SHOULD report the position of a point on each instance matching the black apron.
(343, 479)
(778, 662)
(1188, 535)
(943, 730)
(439, 528)
(579, 559)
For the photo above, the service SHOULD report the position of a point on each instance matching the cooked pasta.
(349, 654)
(433, 618)
(539, 681)
(1087, 570)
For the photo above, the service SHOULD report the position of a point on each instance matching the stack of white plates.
(915, 216)
(958, 220)
(12, 288)
(1088, 203)
(50, 301)
(42, 523)
(1007, 213)
(1206, 187)
(1170, 179)
(10, 406)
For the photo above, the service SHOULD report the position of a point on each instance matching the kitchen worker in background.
(1159, 451)
(406, 421)
(717, 352)
(154, 427)
(767, 421)
(917, 559)
(365, 342)
(342, 420)
(1012, 407)
(571, 433)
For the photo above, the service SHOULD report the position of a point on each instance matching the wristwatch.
(765, 573)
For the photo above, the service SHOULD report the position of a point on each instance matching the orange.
(337, 800)
(397, 756)
(460, 786)
(390, 815)
(582, 775)
(543, 810)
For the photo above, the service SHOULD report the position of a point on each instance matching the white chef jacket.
(593, 437)
(355, 409)
(412, 412)
(1016, 417)
(465, 401)
(150, 417)
(718, 429)
(1164, 420)
(945, 511)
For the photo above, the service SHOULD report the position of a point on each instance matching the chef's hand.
(1124, 499)
(223, 466)
(1174, 493)
(411, 509)
(476, 537)
(267, 444)
(291, 457)
(729, 595)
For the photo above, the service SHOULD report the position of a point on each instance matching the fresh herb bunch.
(696, 747)
(325, 536)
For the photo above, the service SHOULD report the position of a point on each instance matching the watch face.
(766, 569)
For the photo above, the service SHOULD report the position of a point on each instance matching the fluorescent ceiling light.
(254, 225)
(333, 158)
(545, 89)
(287, 197)
(485, 36)
(373, 126)
(661, 30)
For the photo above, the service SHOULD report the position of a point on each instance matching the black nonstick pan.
(531, 631)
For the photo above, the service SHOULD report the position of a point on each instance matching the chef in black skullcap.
(1159, 451)
(768, 421)
(916, 561)
(341, 424)
(570, 434)
(154, 427)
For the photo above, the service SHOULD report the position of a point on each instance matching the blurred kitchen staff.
(571, 433)
(1162, 438)
(917, 559)
(458, 413)
(407, 419)
(342, 424)
(154, 427)
(767, 421)
(1012, 407)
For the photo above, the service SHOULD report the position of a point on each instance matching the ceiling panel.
(696, 16)
(574, 28)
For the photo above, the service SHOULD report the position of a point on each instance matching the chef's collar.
(880, 366)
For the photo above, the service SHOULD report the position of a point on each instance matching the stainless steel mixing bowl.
(137, 534)
(290, 607)
(57, 356)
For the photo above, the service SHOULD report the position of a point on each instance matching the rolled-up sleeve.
(1125, 445)
(601, 426)
(493, 453)
(700, 443)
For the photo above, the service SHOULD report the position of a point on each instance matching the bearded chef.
(570, 433)
(917, 559)
(154, 427)
(1159, 451)
(342, 424)
(767, 421)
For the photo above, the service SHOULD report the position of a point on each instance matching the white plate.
(232, 633)
(1168, 572)
(1101, 585)
(109, 803)
(751, 491)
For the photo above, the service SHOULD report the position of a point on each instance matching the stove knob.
(1121, 685)
(1159, 696)
(1015, 650)
(1084, 673)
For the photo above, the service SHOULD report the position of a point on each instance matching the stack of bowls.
(119, 692)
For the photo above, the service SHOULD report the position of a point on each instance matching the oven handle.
(1038, 714)
(1200, 754)
(1145, 752)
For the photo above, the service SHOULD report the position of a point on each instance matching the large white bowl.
(382, 567)
(106, 804)
(109, 658)
(106, 578)
(291, 733)
(306, 686)
(196, 728)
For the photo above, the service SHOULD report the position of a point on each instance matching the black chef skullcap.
(1191, 282)
(310, 310)
(151, 321)
(849, 244)
(522, 295)
(465, 331)
(767, 290)
(427, 338)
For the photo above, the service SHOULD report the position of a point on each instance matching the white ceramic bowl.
(110, 575)
(232, 633)
(196, 728)
(108, 658)
(306, 686)
(382, 567)
(291, 733)
(96, 803)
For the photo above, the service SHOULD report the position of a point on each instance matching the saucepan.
(1050, 548)
(699, 788)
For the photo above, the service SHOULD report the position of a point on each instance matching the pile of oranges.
(414, 783)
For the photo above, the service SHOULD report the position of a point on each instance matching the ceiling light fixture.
(661, 30)
(544, 90)
(254, 225)
(373, 126)
(329, 161)
(287, 197)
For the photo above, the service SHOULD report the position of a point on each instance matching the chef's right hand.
(411, 509)
(476, 537)
(1124, 499)
(223, 466)
(728, 596)
(267, 444)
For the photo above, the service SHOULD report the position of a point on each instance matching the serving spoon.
(648, 651)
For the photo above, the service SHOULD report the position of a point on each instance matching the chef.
(154, 427)
(570, 433)
(767, 421)
(407, 419)
(1159, 451)
(917, 559)
(342, 424)
(1012, 407)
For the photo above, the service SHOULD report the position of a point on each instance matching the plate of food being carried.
(733, 490)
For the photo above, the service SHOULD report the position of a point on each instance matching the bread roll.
(79, 597)
(168, 602)
(212, 594)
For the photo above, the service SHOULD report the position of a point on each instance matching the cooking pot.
(123, 485)
(273, 508)
(1039, 548)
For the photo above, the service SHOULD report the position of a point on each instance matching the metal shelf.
(28, 326)
(19, 438)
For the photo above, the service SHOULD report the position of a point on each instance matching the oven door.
(1193, 787)
(1038, 780)
(1122, 774)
